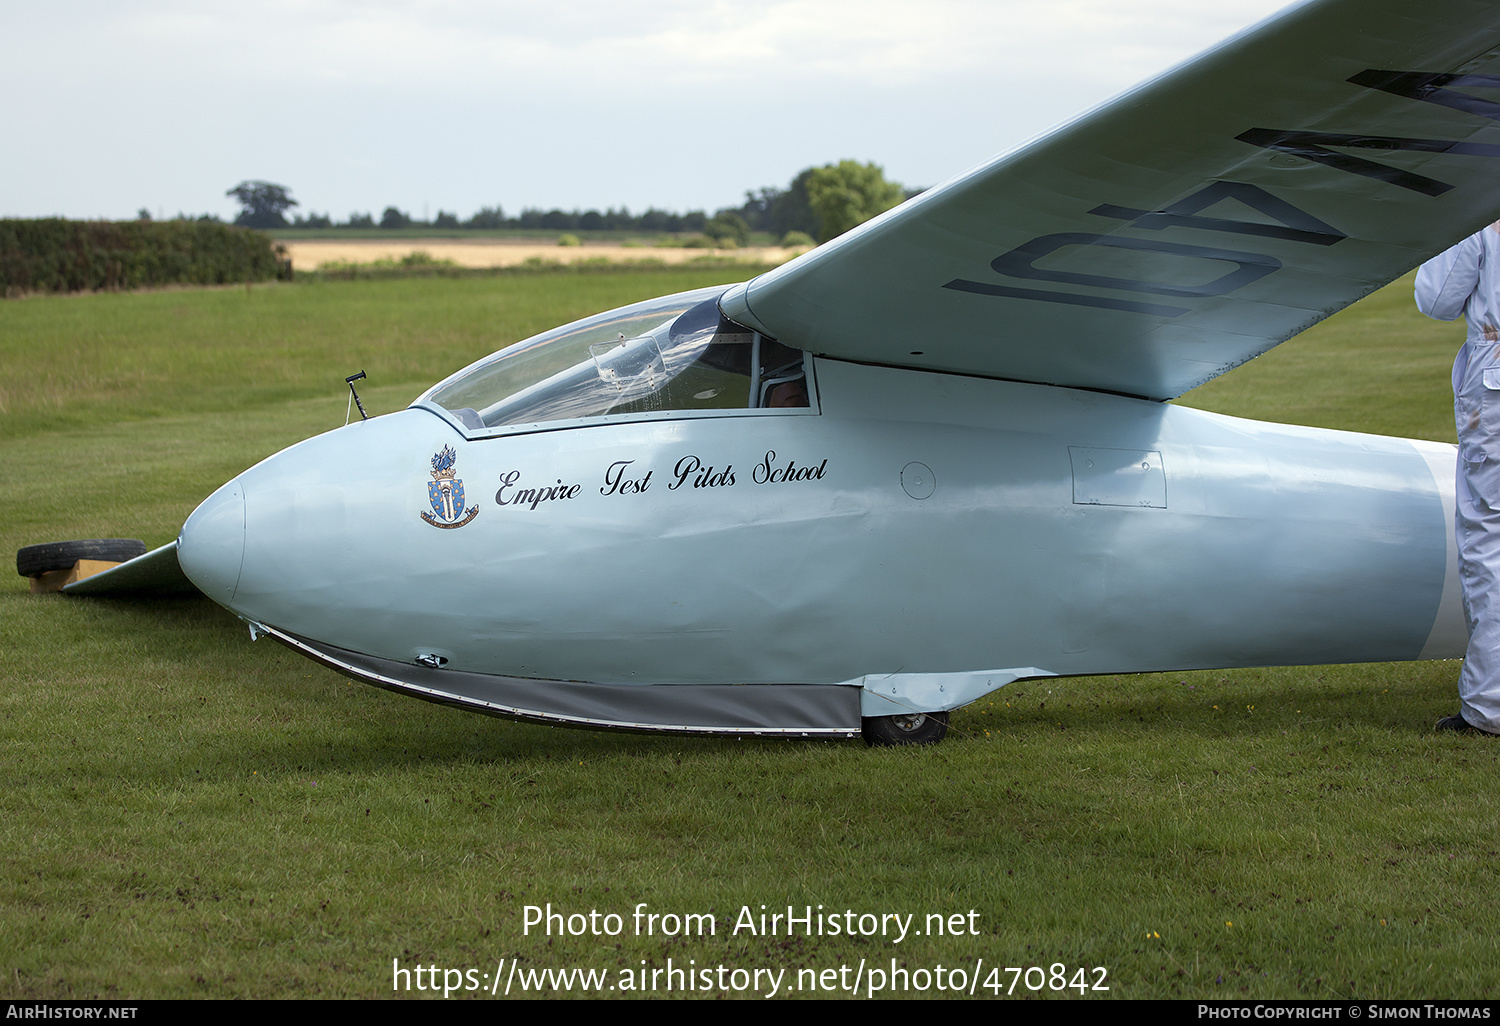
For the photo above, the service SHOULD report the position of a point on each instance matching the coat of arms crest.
(446, 493)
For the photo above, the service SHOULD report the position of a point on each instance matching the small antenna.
(350, 380)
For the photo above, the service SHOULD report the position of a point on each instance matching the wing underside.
(1186, 226)
(156, 572)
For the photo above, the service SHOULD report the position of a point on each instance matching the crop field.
(309, 255)
(190, 814)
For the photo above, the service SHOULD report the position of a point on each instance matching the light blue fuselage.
(934, 527)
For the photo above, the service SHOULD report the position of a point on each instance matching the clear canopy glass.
(673, 353)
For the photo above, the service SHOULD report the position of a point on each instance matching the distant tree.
(847, 194)
(728, 226)
(143, 214)
(360, 221)
(393, 218)
(262, 204)
(487, 218)
(445, 220)
(654, 220)
(788, 210)
(757, 207)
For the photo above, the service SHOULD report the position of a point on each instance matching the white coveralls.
(1466, 280)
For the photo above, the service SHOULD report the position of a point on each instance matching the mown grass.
(187, 814)
(1379, 367)
(102, 358)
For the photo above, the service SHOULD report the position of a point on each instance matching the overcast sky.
(357, 105)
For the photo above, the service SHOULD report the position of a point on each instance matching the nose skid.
(211, 547)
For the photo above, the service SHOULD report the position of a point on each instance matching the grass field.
(188, 814)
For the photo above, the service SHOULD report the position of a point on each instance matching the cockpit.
(676, 356)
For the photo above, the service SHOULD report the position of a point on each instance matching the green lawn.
(188, 814)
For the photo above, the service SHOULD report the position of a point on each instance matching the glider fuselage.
(934, 533)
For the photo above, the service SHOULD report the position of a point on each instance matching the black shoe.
(1458, 724)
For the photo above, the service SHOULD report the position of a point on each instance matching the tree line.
(819, 203)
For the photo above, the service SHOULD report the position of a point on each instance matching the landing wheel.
(906, 729)
(35, 560)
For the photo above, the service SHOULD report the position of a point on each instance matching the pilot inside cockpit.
(785, 389)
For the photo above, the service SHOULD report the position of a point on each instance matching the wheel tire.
(906, 729)
(35, 560)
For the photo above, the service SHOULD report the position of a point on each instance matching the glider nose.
(211, 547)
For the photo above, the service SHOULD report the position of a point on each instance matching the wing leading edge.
(1186, 226)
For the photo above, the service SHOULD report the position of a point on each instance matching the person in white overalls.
(1466, 280)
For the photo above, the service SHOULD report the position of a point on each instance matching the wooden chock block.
(55, 580)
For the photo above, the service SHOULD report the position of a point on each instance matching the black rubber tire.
(35, 560)
(912, 729)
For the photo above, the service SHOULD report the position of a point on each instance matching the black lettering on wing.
(1296, 225)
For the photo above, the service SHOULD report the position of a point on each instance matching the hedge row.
(54, 255)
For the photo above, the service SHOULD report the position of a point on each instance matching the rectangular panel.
(1118, 477)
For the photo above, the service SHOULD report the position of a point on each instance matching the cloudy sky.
(433, 105)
